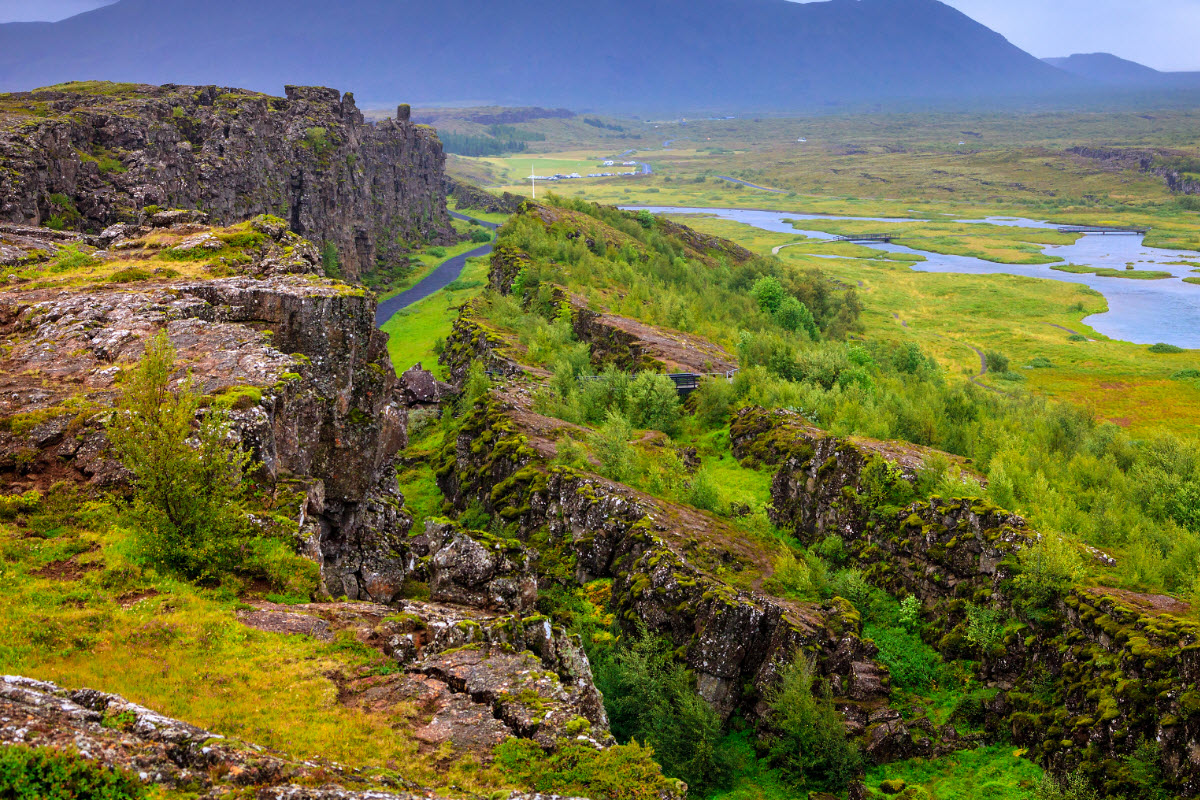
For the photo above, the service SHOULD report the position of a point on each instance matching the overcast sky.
(1159, 33)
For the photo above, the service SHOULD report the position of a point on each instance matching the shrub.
(330, 261)
(912, 663)
(769, 293)
(985, 627)
(1041, 362)
(1073, 786)
(996, 361)
(910, 612)
(703, 492)
(624, 772)
(437, 252)
(481, 236)
(653, 403)
(44, 774)
(1186, 374)
(1077, 337)
(794, 577)
(611, 445)
(713, 402)
(809, 745)
(1049, 567)
(187, 507)
(1163, 348)
(795, 316)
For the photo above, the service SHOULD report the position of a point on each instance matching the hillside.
(676, 54)
(1110, 70)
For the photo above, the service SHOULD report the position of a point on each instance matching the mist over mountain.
(1110, 70)
(606, 54)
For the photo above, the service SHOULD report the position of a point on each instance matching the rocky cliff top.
(84, 156)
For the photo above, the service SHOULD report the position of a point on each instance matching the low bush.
(44, 774)
(1164, 348)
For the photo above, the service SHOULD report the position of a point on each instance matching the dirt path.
(1068, 330)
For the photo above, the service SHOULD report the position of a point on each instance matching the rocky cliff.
(1082, 680)
(296, 358)
(87, 156)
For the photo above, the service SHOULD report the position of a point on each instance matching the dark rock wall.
(368, 189)
(1081, 683)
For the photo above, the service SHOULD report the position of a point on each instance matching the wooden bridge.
(869, 237)
(1103, 230)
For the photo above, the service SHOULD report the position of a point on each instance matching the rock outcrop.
(110, 731)
(88, 156)
(467, 196)
(1153, 162)
(664, 560)
(478, 569)
(1081, 681)
(481, 676)
(295, 357)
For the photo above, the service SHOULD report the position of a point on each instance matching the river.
(1140, 311)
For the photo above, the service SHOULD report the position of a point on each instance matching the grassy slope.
(179, 649)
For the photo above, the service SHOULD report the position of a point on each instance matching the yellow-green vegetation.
(417, 333)
(996, 771)
(155, 257)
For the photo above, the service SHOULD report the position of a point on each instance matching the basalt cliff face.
(87, 156)
(296, 356)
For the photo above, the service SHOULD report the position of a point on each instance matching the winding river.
(1140, 311)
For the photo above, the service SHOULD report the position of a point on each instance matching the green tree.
(795, 316)
(810, 746)
(187, 507)
(769, 293)
(653, 403)
(651, 698)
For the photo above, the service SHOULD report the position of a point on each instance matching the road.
(751, 185)
(446, 273)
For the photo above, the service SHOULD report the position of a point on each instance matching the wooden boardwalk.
(869, 237)
(1103, 230)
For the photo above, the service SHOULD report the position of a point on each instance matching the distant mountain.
(1110, 70)
(609, 54)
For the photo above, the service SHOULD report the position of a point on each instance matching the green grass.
(1105, 272)
(414, 331)
(995, 772)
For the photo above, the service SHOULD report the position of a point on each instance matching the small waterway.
(1140, 311)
